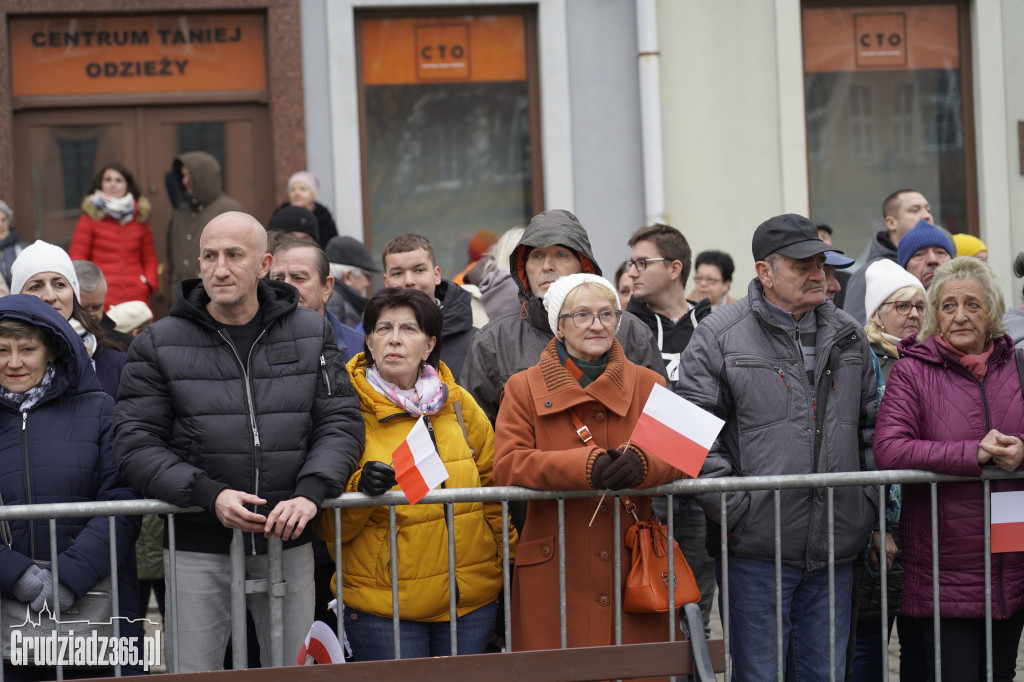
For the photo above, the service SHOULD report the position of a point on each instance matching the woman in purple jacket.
(953, 405)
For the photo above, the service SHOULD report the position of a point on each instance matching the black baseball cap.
(791, 235)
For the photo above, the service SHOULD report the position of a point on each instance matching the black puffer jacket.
(458, 330)
(514, 342)
(190, 422)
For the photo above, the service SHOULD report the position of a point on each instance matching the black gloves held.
(617, 469)
(377, 478)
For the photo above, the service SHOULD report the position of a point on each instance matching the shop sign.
(156, 53)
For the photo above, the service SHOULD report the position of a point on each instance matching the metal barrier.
(276, 589)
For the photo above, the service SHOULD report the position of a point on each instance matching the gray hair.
(961, 269)
(90, 277)
(338, 271)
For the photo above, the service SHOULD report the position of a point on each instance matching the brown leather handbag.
(648, 578)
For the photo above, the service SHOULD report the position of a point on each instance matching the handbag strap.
(1018, 354)
(630, 506)
(581, 429)
(5, 529)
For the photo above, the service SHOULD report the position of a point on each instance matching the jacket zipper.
(28, 485)
(323, 369)
(257, 453)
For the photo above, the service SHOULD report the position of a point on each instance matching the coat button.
(599, 417)
(604, 555)
(547, 403)
(603, 600)
(603, 508)
(545, 551)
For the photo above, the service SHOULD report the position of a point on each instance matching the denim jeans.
(805, 620)
(372, 637)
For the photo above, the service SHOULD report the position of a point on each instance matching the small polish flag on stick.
(676, 431)
(418, 467)
(322, 645)
(1008, 522)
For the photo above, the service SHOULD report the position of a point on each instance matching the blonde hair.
(604, 293)
(964, 268)
(873, 327)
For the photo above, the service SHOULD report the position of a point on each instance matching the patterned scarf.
(88, 339)
(120, 210)
(976, 364)
(25, 401)
(427, 396)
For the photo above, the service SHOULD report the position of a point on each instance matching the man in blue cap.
(923, 249)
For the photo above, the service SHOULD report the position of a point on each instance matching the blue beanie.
(921, 236)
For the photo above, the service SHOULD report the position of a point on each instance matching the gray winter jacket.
(749, 370)
(513, 342)
(1014, 321)
(856, 287)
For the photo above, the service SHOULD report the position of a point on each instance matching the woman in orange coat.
(583, 378)
(113, 233)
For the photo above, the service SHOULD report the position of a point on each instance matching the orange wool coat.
(536, 446)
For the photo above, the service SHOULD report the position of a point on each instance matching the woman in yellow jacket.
(399, 379)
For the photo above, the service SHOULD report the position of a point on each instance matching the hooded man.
(195, 186)
(554, 244)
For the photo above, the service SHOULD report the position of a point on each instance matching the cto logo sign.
(442, 52)
(881, 39)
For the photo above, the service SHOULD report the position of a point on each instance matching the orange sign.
(90, 54)
(443, 49)
(872, 39)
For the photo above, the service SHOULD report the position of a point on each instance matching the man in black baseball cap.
(792, 377)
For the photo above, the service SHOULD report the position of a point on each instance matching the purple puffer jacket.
(932, 417)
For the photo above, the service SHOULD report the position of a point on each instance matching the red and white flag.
(418, 466)
(1008, 522)
(676, 431)
(322, 644)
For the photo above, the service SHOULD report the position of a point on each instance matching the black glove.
(377, 478)
(624, 471)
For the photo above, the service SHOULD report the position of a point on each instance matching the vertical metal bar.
(396, 624)
(987, 504)
(780, 666)
(453, 585)
(115, 606)
(339, 607)
(672, 615)
(239, 634)
(506, 582)
(617, 567)
(56, 581)
(277, 590)
(724, 549)
(936, 629)
(172, 597)
(831, 585)
(561, 575)
(884, 572)
(1, 662)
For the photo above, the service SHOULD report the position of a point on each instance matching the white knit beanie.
(42, 257)
(560, 288)
(882, 278)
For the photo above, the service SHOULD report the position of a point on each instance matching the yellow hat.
(968, 245)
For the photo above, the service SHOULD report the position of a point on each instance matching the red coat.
(536, 446)
(124, 253)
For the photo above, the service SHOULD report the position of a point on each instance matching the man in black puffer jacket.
(237, 402)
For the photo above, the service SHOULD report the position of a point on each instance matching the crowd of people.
(279, 379)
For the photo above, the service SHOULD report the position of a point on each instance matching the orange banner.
(89, 55)
(443, 49)
(887, 38)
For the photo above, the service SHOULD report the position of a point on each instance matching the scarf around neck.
(976, 364)
(120, 209)
(427, 396)
(25, 401)
(583, 372)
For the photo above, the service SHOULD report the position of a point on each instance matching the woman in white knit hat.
(565, 424)
(45, 271)
(894, 302)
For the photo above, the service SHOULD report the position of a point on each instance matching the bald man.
(237, 402)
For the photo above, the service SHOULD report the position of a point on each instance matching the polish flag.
(676, 431)
(418, 467)
(1008, 522)
(322, 645)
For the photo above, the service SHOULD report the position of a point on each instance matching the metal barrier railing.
(276, 589)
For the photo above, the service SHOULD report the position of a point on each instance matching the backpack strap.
(457, 404)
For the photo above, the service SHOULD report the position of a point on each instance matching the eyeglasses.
(582, 320)
(903, 307)
(707, 280)
(641, 263)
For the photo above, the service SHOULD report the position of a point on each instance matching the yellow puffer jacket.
(422, 533)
